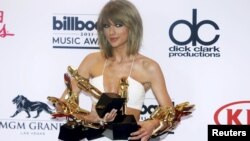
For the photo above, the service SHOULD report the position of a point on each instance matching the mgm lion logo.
(23, 104)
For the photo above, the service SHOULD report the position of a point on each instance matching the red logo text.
(235, 113)
(3, 30)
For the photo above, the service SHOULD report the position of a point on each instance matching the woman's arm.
(158, 86)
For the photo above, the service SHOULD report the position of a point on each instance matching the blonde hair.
(120, 11)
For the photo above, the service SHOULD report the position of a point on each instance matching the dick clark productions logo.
(206, 47)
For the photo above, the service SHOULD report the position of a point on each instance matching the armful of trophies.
(169, 117)
(70, 106)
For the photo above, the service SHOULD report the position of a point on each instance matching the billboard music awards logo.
(232, 121)
(76, 31)
(26, 119)
(200, 47)
(3, 30)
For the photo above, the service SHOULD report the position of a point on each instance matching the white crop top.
(136, 91)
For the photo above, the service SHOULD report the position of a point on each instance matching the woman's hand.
(146, 130)
(93, 117)
(59, 106)
(109, 117)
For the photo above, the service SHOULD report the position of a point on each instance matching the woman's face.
(116, 34)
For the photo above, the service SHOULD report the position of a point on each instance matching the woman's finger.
(110, 116)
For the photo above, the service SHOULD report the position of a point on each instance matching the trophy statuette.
(106, 102)
(122, 125)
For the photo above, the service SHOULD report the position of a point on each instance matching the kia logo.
(234, 112)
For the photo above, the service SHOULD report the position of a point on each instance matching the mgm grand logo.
(30, 127)
(25, 105)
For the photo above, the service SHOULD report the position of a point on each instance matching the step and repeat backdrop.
(202, 47)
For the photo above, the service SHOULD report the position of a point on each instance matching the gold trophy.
(74, 129)
(123, 124)
(70, 106)
(106, 101)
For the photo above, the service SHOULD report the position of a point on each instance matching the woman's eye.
(118, 25)
(106, 26)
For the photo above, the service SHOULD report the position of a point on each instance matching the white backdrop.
(34, 57)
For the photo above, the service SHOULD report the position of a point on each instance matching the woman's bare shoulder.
(89, 62)
(147, 64)
(94, 56)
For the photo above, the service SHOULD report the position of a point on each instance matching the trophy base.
(107, 102)
(121, 127)
(79, 132)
